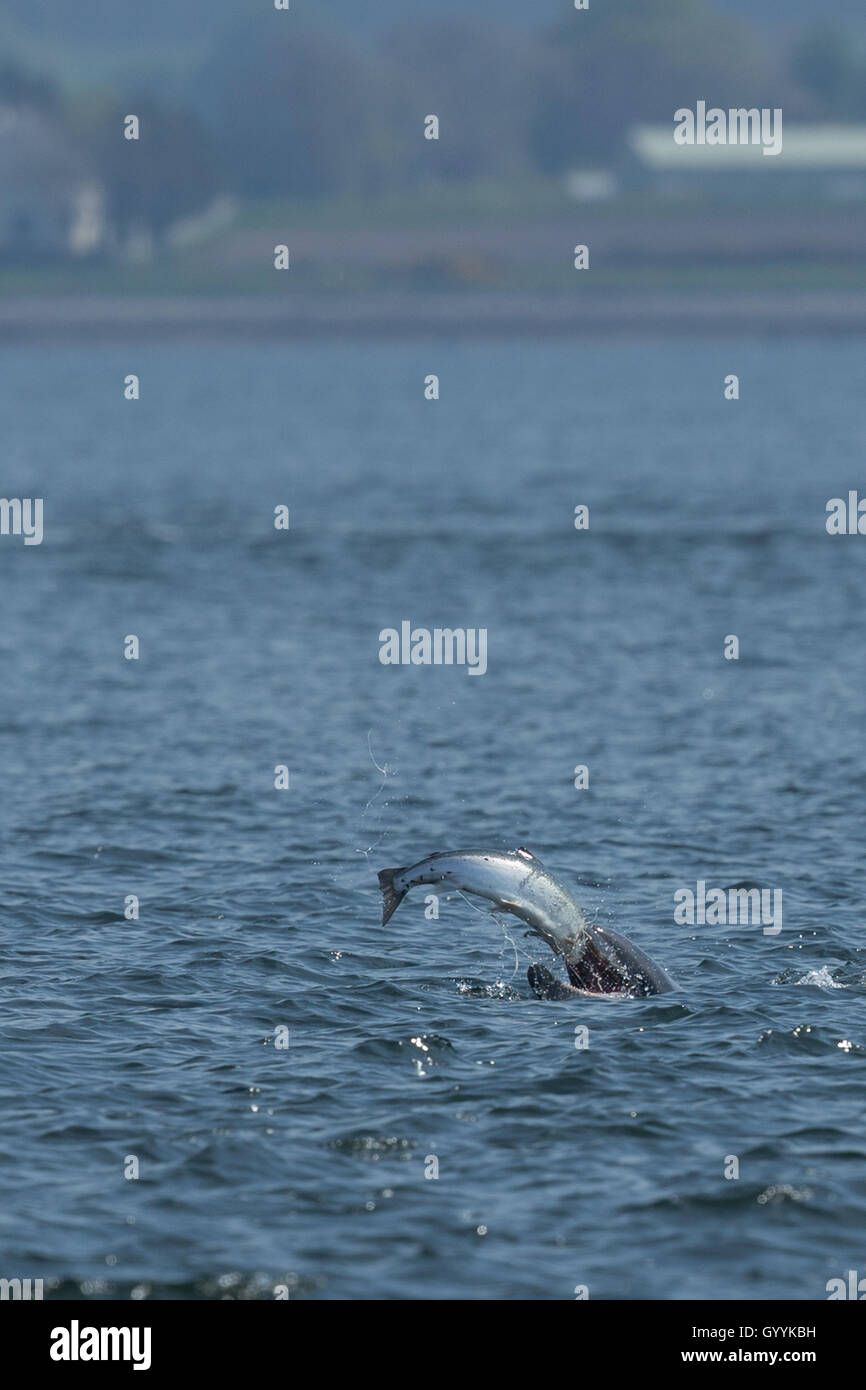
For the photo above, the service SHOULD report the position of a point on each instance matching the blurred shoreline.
(393, 313)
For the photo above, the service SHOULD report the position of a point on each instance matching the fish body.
(598, 961)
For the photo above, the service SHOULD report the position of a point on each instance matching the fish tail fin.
(391, 898)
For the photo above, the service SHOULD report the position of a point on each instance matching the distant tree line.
(288, 112)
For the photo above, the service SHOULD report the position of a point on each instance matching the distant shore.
(449, 313)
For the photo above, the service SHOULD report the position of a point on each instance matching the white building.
(50, 202)
(827, 162)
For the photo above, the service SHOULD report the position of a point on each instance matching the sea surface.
(284, 1074)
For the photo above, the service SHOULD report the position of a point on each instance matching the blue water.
(155, 1039)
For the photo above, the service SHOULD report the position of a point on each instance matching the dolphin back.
(609, 964)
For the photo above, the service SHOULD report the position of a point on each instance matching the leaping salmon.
(598, 960)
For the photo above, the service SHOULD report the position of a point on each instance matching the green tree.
(168, 173)
(297, 113)
(478, 81)
(21, 87)
(829, 65)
